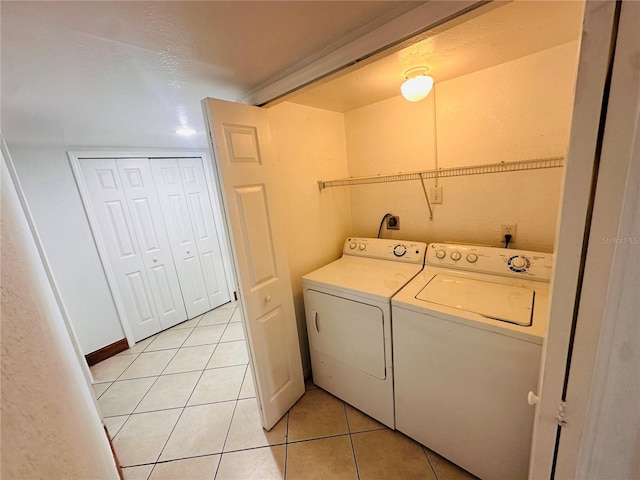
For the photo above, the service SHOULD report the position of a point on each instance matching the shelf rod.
(535, 164)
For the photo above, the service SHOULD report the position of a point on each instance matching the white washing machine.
(467, 342)
(348, 310)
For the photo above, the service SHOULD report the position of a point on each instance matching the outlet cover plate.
(393, 222)
(435, 194)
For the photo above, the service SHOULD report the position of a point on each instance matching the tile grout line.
(433, 470)
(353, 450)
(286, 446)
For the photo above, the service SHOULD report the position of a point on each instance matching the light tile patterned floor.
(181, 405)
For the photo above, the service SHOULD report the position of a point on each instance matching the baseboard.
(106, 352)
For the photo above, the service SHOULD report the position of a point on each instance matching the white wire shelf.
(535, 164)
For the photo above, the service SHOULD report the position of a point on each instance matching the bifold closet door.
(189, 222)
(126, 259)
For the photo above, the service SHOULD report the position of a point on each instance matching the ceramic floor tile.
(218, 385)
(190, 359)
(142, 437)
(137, 473)
(99, 388)
(228, 354)
(204, 335)
(110, 369)
(233, 304)
(234, 332)
(445, 470)
(168, 339)
(389, 455)
(236, 317)
(216, 317)
(248, 389)
(188, 323)
(317, 414)
(122, 396)
(148, 364)
(199, 468)
(321, 459)
(200, 431)
(139, 346)
(265, 463)
(360, 422)
(114, 424)
(246, 428)
(169, 391)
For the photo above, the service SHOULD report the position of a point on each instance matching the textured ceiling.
(500, 34)
(128, 73)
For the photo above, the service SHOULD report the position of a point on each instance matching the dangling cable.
(426, 196)
(387, 215)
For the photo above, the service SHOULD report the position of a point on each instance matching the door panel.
(242, 152)
(148, 224)
(108, 203)
(166, 175)
(195, 185)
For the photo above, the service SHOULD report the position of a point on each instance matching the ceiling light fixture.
(417, 85)
(185, 131)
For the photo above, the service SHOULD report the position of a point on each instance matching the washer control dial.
(352, 245)
(441, 254)
(399, 250)
(362, 246)
(472, 258)
(456, 255)
(518, 264)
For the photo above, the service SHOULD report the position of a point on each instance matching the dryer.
(468, 333)
(348, 314)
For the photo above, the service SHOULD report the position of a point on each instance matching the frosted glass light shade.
(416, 88)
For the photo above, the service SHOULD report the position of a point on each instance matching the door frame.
(76, 156)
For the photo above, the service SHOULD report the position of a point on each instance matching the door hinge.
(561, 413)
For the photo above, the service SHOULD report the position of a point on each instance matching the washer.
(467, 341)
(348, 310)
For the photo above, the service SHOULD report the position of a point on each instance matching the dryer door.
(348, 331)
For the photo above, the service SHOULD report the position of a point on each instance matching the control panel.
(492, 260)
(386, 249)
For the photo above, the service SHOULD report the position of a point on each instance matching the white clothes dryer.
(348, 311)
(467, 342)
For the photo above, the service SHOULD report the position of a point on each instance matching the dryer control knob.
(472, 258)
(456, 255)
(518, 262)
(362, 246)
(441, 254)
(352, 245)
(399, 250)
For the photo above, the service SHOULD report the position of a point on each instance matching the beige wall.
(514, 111)
(310, 145)
(50, 424)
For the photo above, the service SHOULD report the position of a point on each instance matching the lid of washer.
(506, 303)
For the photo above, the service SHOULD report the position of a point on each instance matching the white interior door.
(137, 183)
(167, 178)
(206, 237)
(109, 208)
(241, 149)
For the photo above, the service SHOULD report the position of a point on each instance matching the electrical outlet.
(393, 222)
(508, 230)
(436, 194)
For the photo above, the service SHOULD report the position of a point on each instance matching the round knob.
(267, 299)
(399, 250)
(518, 262)
(441, 254)
(532, 399)
(455, 255)
(362, 246)
(155, 259)
(472, 258)
(352, 245)
(188, 252)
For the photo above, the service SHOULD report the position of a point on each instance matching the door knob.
(188, 252)
(155, 259)
(532, 398)
(267, 299)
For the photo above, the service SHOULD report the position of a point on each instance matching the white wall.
(50, 424)
(514, 111)
(54, 201)
(310, 145)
